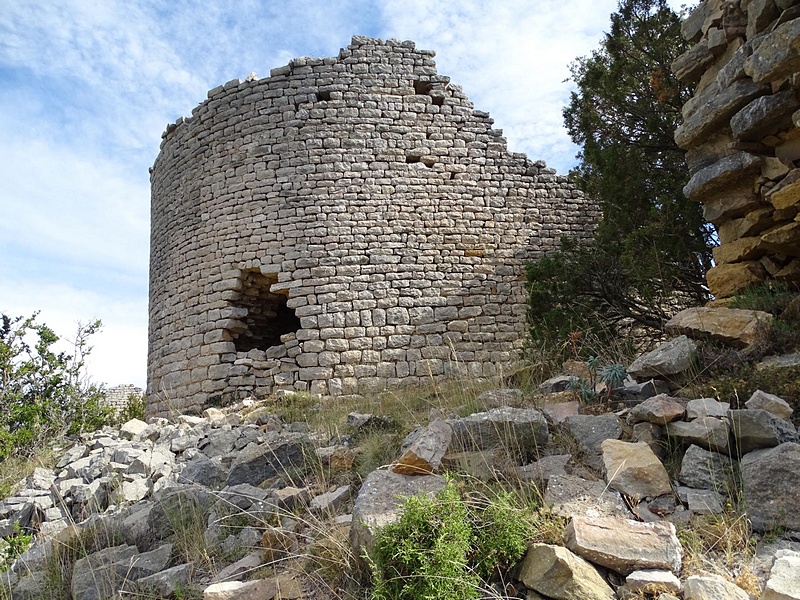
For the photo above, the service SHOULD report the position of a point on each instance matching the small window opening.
(267, 318)
(323, 96)
(437, 100)
(422, 88)
(412, 159)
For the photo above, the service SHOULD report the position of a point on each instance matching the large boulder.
(558, 573)
(282, 453)
(755, 429)
(732, 326)
(770, 481)
(703, 469)
(671, 360)
(624, 545)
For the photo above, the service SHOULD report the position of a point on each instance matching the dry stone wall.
(741, 131)
(345, 225)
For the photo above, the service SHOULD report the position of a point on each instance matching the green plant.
(135, 408)
(444, 546)
(612, 376)
(44, 394)
(13, 546)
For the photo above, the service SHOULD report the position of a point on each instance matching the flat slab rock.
(733, 326)
(624, 545)
(512, 428)
(569, 495)
(784, 578)
(660, 410)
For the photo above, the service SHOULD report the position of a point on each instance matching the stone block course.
(341, 206)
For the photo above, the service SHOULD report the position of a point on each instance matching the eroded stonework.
(345, 225)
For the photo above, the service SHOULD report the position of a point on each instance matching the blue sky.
(88, 86)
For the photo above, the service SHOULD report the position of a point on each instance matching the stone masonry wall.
(345, 225)
(741, 131)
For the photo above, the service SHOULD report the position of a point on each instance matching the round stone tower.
(343, 226)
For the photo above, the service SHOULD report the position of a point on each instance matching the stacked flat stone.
(741, 131)
(346, 225)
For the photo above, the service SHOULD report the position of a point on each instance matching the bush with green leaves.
(652, 247)
(43, 393)
(443, 547)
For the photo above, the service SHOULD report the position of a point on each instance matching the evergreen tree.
(652, 244)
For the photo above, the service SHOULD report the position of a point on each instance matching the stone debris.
(423, 450)
(784, 577)
(659, 410)
(770, 481)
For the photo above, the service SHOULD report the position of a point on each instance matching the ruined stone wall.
(345, 225)
(742, 133)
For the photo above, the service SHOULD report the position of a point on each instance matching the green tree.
(652, 244)
(44, 394)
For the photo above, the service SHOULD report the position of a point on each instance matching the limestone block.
(737, 327)
(660, 410)
(723, 174)
(634, 470)
(558, 573)
(732, 203)
(777, 55)
(708, 432)
(765, 116)
(749, 225)
(711, 110)
(423, 453)
(771, 403)
(746, 248)
(670, 360)
(784, 239)
(703, 469)
(784, 578)
(725, 280)
(754, 429)
(787, 193)
(690, 65)
(711, 587)
(624, 545)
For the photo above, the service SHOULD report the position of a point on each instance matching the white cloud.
(120, 348)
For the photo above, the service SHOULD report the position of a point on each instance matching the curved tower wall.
(345, 225)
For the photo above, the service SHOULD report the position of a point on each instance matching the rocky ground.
(244, 503)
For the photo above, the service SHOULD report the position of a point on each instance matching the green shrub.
(44, 394)
(443, 547)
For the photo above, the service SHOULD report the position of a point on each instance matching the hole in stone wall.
(437, 100)
(267, 318)
(422, 88)
(326, 96)
(412, 159)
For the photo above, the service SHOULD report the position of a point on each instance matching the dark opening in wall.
(323, 96)
(412, 159)
(437, 100)
(267, 317)
(422, 88)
